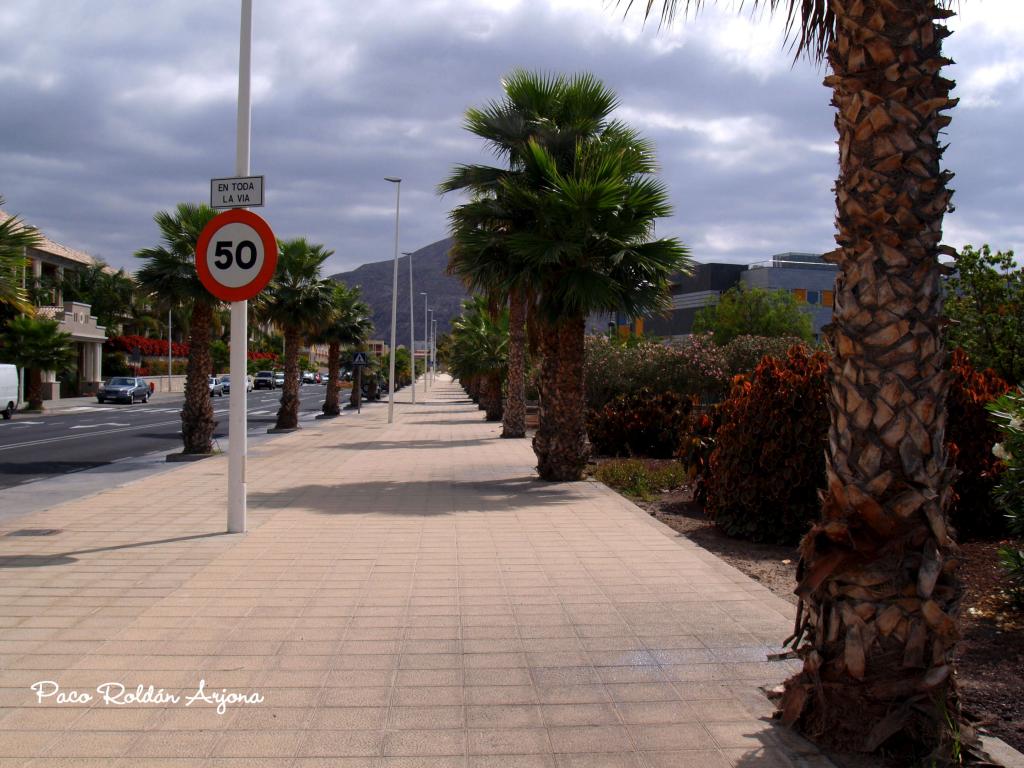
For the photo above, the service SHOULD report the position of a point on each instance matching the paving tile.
(409, 609)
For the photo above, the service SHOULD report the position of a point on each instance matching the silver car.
(126, 389)
(216, 386)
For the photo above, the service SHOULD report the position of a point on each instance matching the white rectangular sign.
(236, 192)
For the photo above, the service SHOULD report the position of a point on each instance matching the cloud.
(115, 110)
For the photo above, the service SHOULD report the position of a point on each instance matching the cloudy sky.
(113, 110)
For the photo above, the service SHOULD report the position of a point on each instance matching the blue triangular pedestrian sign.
(359, 358)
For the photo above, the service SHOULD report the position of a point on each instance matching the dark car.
(264, 380)
(123, 388)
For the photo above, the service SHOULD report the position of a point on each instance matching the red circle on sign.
(260, 279)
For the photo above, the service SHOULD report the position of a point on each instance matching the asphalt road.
(34, 447)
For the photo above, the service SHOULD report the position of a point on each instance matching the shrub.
(971, 434)
(1008, 412)
(742, 354)
(768, 461)
(644, 423)
(639, 478)
(146, 346)
(613, 368)
(695, 448)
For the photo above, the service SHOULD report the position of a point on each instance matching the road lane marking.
(100, 424)
(47, 440)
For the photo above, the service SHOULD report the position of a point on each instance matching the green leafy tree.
(15, 237)
(985, 306)
(36, 345)
(168, 277)
(348, 324)
(877, 668)
(296, 301)
(753, 312)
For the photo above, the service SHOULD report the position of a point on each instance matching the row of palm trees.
(300, 302)
(478, 354)
(563, 229)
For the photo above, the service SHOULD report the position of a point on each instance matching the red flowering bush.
(970, 435)
(768, 460)
(147, 347)
(643, 423)
(695, 448)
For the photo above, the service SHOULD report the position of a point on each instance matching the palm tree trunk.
(331, 406)
(288, 413)
(514, 418)
(877, 625)
(356, 398)
(34, 389)
(561, 440)
(492, 397)
(197, 414)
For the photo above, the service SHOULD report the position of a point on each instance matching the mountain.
(445, 292)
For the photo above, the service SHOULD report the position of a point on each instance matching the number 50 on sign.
(236, 255)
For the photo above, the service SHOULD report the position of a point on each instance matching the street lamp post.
(394, 303)
(426, 335)
(430, 345)
(412, 330)
(170, 350)
(433, 343)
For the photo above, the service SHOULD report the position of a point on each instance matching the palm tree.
(348, 323)
(876, 626)
(169, 277)
(36, 345)
(558, 112)
(109, 294)
(590, 250)
(15, 237)
(296, 301)
(479, 352)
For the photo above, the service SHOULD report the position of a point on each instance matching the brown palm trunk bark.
(197, 414)
(492, 397)
(34, 389)
(880, 597)
(514, 417)
(331, 404)
(356, 398)
(288, 413)
(561, 440)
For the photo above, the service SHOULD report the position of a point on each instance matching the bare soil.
(990, 658)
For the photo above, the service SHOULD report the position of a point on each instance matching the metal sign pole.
(237, 426)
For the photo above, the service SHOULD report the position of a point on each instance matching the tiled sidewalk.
(406, 596)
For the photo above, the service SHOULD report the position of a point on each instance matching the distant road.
(38, 446)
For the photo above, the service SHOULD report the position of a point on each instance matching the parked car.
(264, 380)
(126, 388)
(216, 386)
(278, 379)
(8, 389)
(308, 377)
(226, 381)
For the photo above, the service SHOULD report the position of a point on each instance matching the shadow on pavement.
(387, 445)
(417, 498)
(47, 467)
(65, 558)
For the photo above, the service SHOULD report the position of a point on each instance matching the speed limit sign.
(236, 255)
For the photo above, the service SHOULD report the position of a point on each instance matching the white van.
(8, 389)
